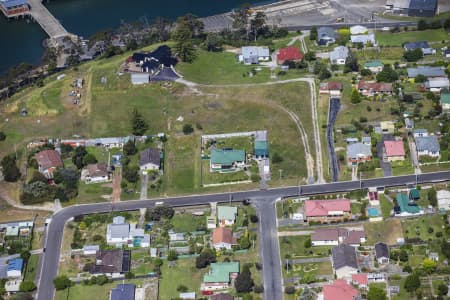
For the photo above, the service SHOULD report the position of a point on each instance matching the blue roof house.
(15, 267)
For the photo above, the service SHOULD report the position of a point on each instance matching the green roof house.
(226, 215)
(374, 65)
(227, 160)
(445, 101)
(406, 207)
(220, 276)
(261, 149)
(414, 195)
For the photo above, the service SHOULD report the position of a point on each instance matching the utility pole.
(281, 172)
(299, 189)
(360, 182)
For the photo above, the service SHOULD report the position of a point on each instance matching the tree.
(412, 282)
(182, 288)
(62, 282)
(422, 25)
(432, 196)
(355, 96)
(254, 218)
(38, 176)
(413, 55)
(447, 24)
(366, 72)
(160, 212)
(244, 282)
(131, 173)
(182, 36)
(307, 243)
(351, 63)
(77, 158)
(244, 242)
(313, 33)
(130, 148)
(214, 42)
(258, 24)
(25, 255)
(11, 172)
(376, 293)
(240, 17)
(138, 125)
(445, 248)
(89, 159)
(206, 257)
(277, 158)
(102, 279)
(310, 56)
(129, 275)
(290, 290)
(442, 289)
(172, 256)
(27, 286)
(429, 265)
(324, 74)
(188, 129)
(132, 44)
(2, 136)
(387, 74)
(420, 78)
(37, 192)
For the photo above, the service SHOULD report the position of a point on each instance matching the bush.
(182, 288)
(290, 290)
(258, 289)
(254, 218)
(2, 136)
(188, 129)
(172, 256)
(27, 286)
(62, 282)
(244, 282)
(206, 257)
(11, 172)
(277, 158)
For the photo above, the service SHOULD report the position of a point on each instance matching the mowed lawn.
(398, 39)
(387, 231)
(419, 228)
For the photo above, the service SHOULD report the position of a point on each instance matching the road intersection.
(264, 201)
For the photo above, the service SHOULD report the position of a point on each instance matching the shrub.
(290, 290)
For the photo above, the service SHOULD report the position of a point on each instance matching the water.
(21, 41)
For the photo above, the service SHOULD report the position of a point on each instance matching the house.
(332, 88)
(290, 53)
(222, 238)
(426, 71)
(409, 123)
(220, 276)
(95, 173)
(427, 146)
(123, 292)
(112, 262)
(446, 53)
(358, 153)
(343, 258)
(422, 45)
(376, 277)
(420, 132)
(443, 199)
(363, 39)
(48, 161)
(398, 6)
(382, 253)
(187, 296)
(414, 195)
(406, 207)
(339, 55)
(433, 256)
(422, 8)
(360, 280)
(140, 78)
(366, 140)
(327, 210)
(150, 160)
(336, 236)
(393, 151)
(374, 88)
(354, 238)
(226, 215)
(375, 66)
(152, 62)
(90, 249)
(445, 101)
(261, 145)
(325, 36)
(226, 160)
(339, 290)
(118, 232)
(13, 286)
(436, 84)
(387, 127)
(15, 267)
(358, 29)
(254, 55)
(221, 296)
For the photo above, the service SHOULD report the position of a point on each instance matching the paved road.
(53, 237)
(335, 106)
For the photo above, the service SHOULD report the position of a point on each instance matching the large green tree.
(138, 124)
(244, 282)
(62, 282)
(11, 172)
(412, 282)
(376, 293)
(183, 36)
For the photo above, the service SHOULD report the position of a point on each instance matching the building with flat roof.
(14, 8)
(15, 267)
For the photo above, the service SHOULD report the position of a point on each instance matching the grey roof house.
(358, 152)
(426, 71)
(427, 146)
(382, 252)
(253, 54)
(325, 36)
(416, 45)
(122, 292)
(422, 8)
(150, 159)
(344, 261)
(339, 55)
(363, 39)
(436, 84)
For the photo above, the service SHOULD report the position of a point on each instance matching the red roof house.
(326, 210)
(393, 150)
(48, 161)
(222, 237)
(374, 88)
(289, 53)
(332, 87)
(339, 290)
(360, 280)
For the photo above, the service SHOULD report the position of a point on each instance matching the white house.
(150, 160)
(253, 54)
(226, 215)
(90, 249)
(436, 84)
(339, 55)
(222, 238)
(95, 173)
(358, 29)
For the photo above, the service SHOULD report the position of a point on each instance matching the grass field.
(186, 222)
(31, 268)
(386, 206)
(386, 54)
(387, 231)
(294, 246)
(398, 39)
(418, 228)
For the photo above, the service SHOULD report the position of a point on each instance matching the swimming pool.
(373, 212)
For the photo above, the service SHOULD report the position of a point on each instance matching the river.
(22, 39)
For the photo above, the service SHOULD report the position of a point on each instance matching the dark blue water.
(21, 40)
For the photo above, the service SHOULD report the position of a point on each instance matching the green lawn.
(186, 222)
(397, 39)
(47, 101)
(31, 268)
(88, 193)
(310, 269)
(386, 206)
(386, 54)
(387, 231)
(418, 228)
(294, 246)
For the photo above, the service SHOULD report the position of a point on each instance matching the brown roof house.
(48, 161)
(333, 88)
(112, 262)
(374, 88)
(222, 238)
(336, 236)
(94, 173)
